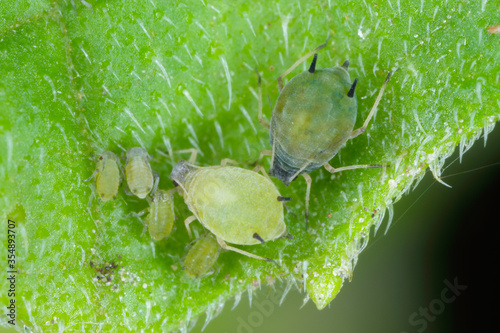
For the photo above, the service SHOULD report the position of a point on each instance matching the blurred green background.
(434, 236)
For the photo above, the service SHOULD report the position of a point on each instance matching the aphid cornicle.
(313, 118)
(138, 172)
(238, 206)
(107, 175)
(201, 256)
(160, 219)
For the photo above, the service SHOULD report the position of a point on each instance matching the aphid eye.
(175, 183)
(100, 158)
(346, 64)
(350, 94)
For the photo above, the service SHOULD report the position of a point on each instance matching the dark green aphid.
(313, 118)
(201, 256)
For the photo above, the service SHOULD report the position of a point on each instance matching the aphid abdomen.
(160, 219)
(139, 176)
(285, 166)
(108, 176)
(201, 256)
(312, 120)
(234, 204)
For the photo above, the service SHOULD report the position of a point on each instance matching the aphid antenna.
(91, 198)
(298, 62)
(92, 176)
(126, 190)
(280, 198)
(360, 130)
(261, 119)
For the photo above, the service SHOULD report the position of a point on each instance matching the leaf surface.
(177, 75)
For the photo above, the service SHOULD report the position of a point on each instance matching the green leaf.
(181, 75)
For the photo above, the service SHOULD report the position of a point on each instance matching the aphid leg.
(331, 169)
(264, 153)
(308, 193)
(193, 151)
(288, 210)
(248, 254)
(260, 168)
(261, 120)
(93, 175)
(156, 177)
(187, 222)
(226, 161)
(287, 236)
(144, 229)
(88, 5)
(360, 130)
(298, 62)
(126, 189)
(172, 191)
(138, 216)
(92, 194)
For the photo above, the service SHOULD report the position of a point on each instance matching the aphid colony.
(141, 180)
(235, 205)
(313, 118)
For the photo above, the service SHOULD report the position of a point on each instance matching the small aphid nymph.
(160, 219)
(138, 172)
(201, 256)
(107, 175)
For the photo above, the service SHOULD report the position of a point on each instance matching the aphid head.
(137, 152)
(108, 155)
(180, 172)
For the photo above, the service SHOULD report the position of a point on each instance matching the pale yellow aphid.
(138, 172)
(201, 256)
(107, 176)
(160, 219)
(238, 206)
